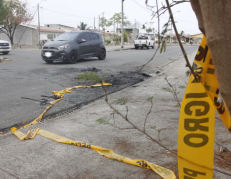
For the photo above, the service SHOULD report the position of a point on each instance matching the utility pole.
(122, 26)
(99, 22)
(171, 34)
(39, 25)
(94, 23)
(102, 27)
(114, 26)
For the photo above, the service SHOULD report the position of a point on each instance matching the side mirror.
(81, 41)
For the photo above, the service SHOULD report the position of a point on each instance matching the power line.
(185, 21)
(78, 21)
(182, 20)
(141, 6)
(65, 13)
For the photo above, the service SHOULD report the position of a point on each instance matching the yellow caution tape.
(197, 119)
(163, 172)
(204, 64)
(196, 133)
(60, 94)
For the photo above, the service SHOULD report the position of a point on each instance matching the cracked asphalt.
(29, 76)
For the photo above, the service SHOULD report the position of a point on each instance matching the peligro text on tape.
(197, 119)
(163, 172)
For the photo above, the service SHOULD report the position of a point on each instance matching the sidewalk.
(44, 158)
(111, 48)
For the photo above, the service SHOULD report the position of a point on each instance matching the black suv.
(72, 46)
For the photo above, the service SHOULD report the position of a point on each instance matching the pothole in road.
(83, 96)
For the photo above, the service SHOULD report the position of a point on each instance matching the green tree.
(83, 26)
(117, 20)
(3, 11)
(149, 30)
(126, 35)
(50, 36)
(104, 23)
(12, 14)
(143, 27)
(116, 38)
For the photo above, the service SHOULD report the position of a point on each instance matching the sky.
(72, 12)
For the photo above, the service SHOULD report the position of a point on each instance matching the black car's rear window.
(66, 37)
(143, 37)
(94, 36)
(85, 36)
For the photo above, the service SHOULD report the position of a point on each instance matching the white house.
(29, 35)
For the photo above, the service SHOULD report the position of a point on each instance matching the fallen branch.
(149, 137)
(173, 91)
(221, 146)
(9, 173)
(126, 118)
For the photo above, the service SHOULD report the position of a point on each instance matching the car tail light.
(146, 41)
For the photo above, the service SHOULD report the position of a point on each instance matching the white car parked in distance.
(5, 47)
(144, 41)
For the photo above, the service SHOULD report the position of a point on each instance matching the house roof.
(52, 30)
(48, 29)
(197, 35)
(61, 25)
(128, 28)
(29, 26)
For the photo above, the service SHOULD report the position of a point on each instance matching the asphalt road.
(29, 76)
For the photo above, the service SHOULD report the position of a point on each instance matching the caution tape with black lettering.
(163, 172)
(197, 119)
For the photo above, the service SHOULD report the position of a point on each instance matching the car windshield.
(145, 37)
(66, 37)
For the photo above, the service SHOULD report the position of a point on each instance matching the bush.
(116, 38)
(108, 41)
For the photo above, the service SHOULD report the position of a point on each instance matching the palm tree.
(83, 26)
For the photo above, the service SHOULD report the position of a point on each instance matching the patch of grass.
(176, 106)
(167, 89)
(103, 120)
(92, 77)
(120, 101)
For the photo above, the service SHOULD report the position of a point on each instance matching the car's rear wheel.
(153, 47)
(5, 53)
(102, 54)
(72, 58)
(142, 47)
(147, 47)
(136, 47)
(49, 61)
